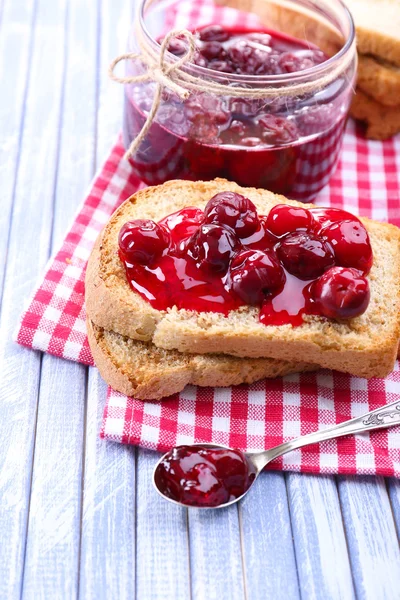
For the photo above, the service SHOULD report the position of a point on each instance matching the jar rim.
(296, 76)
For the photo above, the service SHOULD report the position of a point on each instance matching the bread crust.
(143, 371)
(382, 122)
(379, 80)
(365, 346)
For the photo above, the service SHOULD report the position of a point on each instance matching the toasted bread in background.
(365, 346)
(377, 27)
(146, 372)
(379, 80)
(382, 122)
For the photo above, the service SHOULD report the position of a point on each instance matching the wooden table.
(78, 516)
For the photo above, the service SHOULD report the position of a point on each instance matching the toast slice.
(378, 27)
(365, 346)
(382, 122)
(146, 372)
(380, 80)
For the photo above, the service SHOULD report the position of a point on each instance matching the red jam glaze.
(252, 142)
(203, 476)
(290, 263)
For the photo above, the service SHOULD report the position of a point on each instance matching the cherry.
(232, 210)
(237, 128)
(254, 274)
(200, 61)
(341, 293)
(177, 46)
(251, 141)
(247, 58)
(183, 223)
(213, 33)
(221, 65)
(212, 50)
(283, 219)
(204, 128)
(212, 247)
(291, 62)
(305, 255)
(277, 130)
(142, 241)
(350, 242)
(326, 216)
(260, 38)
(199, 476)
(210, 107)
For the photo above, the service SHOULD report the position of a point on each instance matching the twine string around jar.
(169, 72)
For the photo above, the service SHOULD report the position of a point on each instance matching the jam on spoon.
(290, 263)
(203, 476)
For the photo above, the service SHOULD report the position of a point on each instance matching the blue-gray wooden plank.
(320, 544)
(28, 250)
(162, 545)
(107, 566)
(371, 537)
(216, 563)
(394, 494)
(268, 551)
(52, 553)
(16, 35)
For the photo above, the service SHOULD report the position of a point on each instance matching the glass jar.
(199, 138)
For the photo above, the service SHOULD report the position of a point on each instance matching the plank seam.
(285, 476)
(83, 470)
(189, 561)
(28, 512)
(345, 536)
(57, 159)
(242, 550)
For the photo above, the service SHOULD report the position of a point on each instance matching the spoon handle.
(382, 417)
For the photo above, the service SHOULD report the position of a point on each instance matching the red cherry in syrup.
(213, 33)
(350, 242)
(212, 51)
(177, 47)
(255, 274)
(183, 223)
(341, 293)
(277, 130)
(283, 219)
(248, 58)
(221, 65)
(232, 210)
(203, 476)
(142, 241)
(213, 246)
(326, 216)
(305, 255)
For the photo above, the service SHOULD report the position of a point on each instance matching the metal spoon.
(382, 417)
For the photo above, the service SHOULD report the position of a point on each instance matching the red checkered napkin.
(248, 417)
(258, 416)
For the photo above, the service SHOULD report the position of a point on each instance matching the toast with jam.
(213, 268)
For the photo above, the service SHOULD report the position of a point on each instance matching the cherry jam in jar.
(286, 143)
